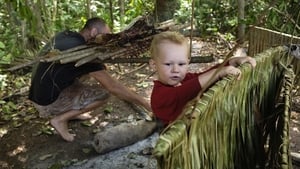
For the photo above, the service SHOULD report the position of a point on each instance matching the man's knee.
(94, 105)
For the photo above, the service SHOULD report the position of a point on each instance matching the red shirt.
(167, 102)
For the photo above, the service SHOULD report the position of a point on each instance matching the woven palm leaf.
(235, 124)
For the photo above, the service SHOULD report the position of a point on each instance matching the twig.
(288, 17)
(134, 70)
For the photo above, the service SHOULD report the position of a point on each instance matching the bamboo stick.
(194, 59)
(288, 86)
(86, 60)
(71, 55)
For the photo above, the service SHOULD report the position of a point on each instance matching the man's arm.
(118, 89)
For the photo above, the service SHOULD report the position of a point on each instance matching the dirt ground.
(34, 144)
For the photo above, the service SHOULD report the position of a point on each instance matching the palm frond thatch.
(235, 124)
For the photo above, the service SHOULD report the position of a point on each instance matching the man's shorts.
(75, 97)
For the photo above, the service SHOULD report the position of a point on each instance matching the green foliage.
(12, 110)
(138, 7)
(182, 15)
(212, 17)
(8, 108)
(10, 83)
(3, 83)
(26, 26)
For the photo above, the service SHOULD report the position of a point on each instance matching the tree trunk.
(241, 18)
(123, 135)
(165, 9)
(122, 12)
(88, 8)
(111, 13)
(54, 12)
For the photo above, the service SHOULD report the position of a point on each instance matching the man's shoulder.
(67, 34)
(67, 39)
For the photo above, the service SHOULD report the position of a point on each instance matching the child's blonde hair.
(170, 36)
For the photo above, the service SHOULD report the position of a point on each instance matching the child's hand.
(236, 61)
(230, 70)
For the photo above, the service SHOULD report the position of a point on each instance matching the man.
(55, 88)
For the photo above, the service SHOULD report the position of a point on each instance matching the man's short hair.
(95, 22)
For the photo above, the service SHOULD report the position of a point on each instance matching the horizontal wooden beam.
(195, 59)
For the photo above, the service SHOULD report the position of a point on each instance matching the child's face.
(171, 63)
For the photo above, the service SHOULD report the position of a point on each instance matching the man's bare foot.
(62, 129)
(84, 116)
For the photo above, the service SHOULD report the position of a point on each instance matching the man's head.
(94, 27)
(170, 57)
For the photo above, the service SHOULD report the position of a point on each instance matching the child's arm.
(210, 77)
(236, 61)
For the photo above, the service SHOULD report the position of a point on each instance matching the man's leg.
(60, 122)
(73, 103)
